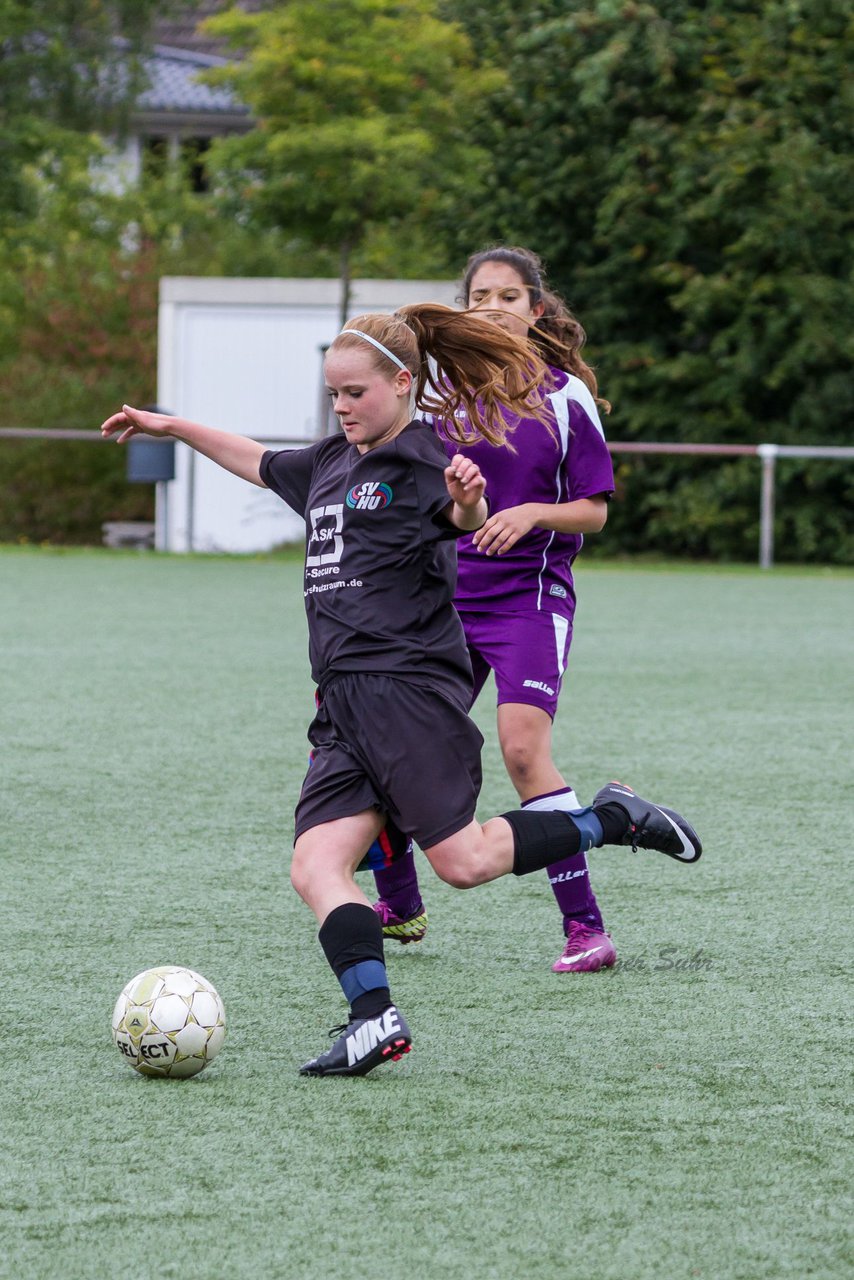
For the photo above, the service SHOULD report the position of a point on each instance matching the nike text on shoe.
(651, 826)
(412, 929)
(586, 950)
(363, 1044)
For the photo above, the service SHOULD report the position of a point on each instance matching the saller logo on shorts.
(372, 495)
(538, 684)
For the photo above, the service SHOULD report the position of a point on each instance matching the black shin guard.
(352, 939)
(350, 934)
(540, 838)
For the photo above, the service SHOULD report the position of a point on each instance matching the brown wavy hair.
(458, 362)
(557, 334)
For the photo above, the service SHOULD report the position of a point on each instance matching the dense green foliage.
(687, 172)
(66, 299)
(78, 334)
(80, 262)
(64, 68)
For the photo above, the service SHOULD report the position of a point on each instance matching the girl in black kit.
(392, 737)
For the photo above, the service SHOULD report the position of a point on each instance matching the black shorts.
(384, 743)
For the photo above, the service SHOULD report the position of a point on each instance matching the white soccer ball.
(169, 1022)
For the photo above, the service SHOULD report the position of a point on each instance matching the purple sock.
(398, 886)
(570, 882)
(570, 878)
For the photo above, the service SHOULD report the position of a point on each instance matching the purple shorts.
(527, 651)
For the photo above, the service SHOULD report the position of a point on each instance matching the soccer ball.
(169, 1022)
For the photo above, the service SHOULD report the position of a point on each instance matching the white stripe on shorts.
(561, 626)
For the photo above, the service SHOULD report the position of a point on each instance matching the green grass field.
(680, 1116)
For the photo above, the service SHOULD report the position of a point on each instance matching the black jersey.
(381, 560)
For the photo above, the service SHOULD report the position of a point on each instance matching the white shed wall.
(246, 355)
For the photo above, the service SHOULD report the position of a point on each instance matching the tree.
(686, 171)
(78, 335)
(361, 107)
(80, 261)
(64, 69)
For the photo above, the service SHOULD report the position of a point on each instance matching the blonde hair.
(476, 367)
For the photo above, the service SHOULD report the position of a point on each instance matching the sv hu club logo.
(371, 495)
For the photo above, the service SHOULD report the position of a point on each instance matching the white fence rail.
(766, 453)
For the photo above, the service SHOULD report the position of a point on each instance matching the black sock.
(541, 837)
(614, 820)
(352, 941)
(371, 1003)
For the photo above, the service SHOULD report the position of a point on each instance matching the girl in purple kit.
(515, 591)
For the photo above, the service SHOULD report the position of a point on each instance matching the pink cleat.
(586, 950)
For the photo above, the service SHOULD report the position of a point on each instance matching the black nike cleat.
(651, 826)
(363, 1044)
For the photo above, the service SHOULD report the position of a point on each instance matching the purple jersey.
(572, 461)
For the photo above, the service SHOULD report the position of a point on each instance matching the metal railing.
(766, 453)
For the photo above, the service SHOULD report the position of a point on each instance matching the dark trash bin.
(150, 461)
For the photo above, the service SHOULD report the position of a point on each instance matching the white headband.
(379, 346)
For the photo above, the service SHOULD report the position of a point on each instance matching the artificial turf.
(680, 1116)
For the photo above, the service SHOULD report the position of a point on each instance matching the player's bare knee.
(460, 878)
(519, 761)
(301, 875)
(466, 874)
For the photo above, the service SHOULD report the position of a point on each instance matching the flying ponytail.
(459, 363)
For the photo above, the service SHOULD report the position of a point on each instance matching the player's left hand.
(504, 529)
(132, 422)
(465, 481)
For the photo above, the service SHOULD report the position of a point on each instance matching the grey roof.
(173, 85)
(183, 32)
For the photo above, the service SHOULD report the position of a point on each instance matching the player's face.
(499, 292)
(372, 407)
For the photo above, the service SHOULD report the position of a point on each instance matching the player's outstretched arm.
(235, 453)
(466, 487)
